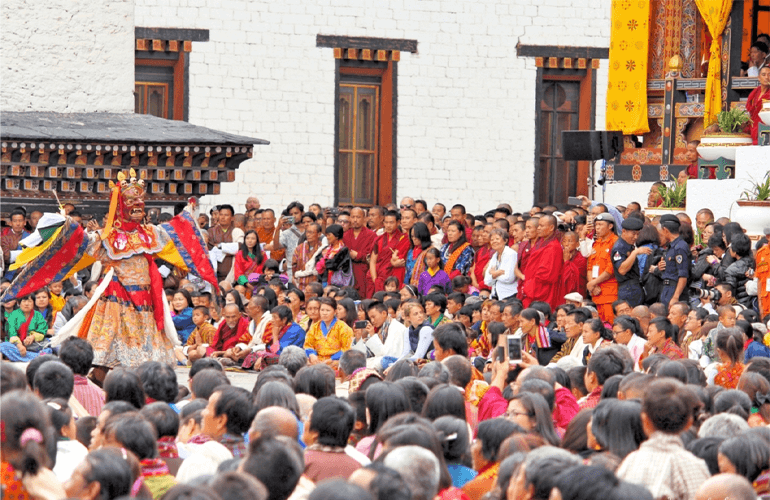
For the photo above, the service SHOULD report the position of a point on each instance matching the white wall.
(466, 102)
(67, 55)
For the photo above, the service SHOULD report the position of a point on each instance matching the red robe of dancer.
(543, 273)
(384, 248)
(363, 246)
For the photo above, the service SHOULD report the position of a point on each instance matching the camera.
(712, 294)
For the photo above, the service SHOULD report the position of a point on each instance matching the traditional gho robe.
(754, 106)
(574, 276)
(219, 235)
(362, 245)
(543, 273)
(383, 247)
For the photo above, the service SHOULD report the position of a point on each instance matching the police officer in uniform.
(624, 254)
(675, 264)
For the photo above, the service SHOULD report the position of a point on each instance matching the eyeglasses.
(406, 206)
(509, 414)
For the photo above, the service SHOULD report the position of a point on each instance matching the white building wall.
(466, 102)
(67, 55)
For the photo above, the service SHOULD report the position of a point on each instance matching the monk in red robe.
(754, 103)
(483, 254)
(360, 240)
(543, 271)
(525, 250)
(389, 253)
(232, 331)
(574, 277)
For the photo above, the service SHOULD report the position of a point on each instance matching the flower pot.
(764, 115)
(722, 145)
(753, 216)
(652, 212)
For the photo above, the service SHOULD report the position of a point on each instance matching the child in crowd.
(55, 296)
(433, 274)
(392, 284)
(199, 339)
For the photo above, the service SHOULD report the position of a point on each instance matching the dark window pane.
(346, 117)
(364, 187)
(345, 178)
(156, 100)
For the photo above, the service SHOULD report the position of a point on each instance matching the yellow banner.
(715, 13)
(627, 87)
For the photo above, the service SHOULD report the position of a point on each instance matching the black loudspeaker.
(591, 144)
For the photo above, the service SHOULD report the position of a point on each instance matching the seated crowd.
(385, 341)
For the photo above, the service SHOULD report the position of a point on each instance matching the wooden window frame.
(180, 69)
(386, 176)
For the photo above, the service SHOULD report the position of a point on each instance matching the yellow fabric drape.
(627, 87)
(716, 14)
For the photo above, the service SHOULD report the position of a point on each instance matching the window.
(365, 115)
(161, 70)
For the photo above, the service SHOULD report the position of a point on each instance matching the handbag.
(341, 278)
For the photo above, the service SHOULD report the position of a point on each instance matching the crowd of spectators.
(408, 352)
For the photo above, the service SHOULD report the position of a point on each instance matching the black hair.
(351, 313)
(741, 245)
(316, 380)
(275, 393)
(235, 485)
(295, 204)
(383, 400)
(284, 313)
(158, 381)
(59, 413)
(672, 369)
(579, 315)
(162, 417)
(35, 365)
(260, 257)
(730, 341)
(733, 401)
(335, 230)
(205, 382)
(669, 405)
(134, 433)
(577, 378)
(54, 380)
(539, 386)
(584, 482)
(236, 403)
(749, 456)
(716, 241)
(333, 419)
(203, 364)
(597, 325)
(11, 378)
(455, 440)
(438, 300)
(107, 467)
(538, 410)
(351, 361)
(451, 336)
(492, 433)
(462, 239)
(420, 231)
(664, 325)
(275, 462)
(575, 437)
(707, 449)
(444, 400)
(415, 390)
(77, 354)
(605, 363)
(617, 426)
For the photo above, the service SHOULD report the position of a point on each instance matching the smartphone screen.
(500, 354)
(514, 349)
(572, 200)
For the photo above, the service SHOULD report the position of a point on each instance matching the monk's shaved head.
(276, 421)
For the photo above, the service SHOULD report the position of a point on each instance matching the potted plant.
(754, 206)
(674, 197)
(720, 139)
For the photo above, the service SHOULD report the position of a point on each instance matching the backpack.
(652, 283)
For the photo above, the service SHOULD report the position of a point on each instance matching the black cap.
(632, 224)
(669, 218)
